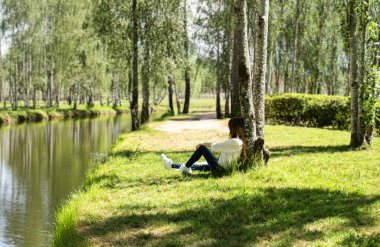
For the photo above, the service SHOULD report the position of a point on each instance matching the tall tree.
(353, 42)
(186, 104)
(364, 77)
(255, 139)
(147, 14)
(235, 80)
(170, 94)
(299, 6)
(261, 67)
(135, 74)
(218, 77)
(243, 75)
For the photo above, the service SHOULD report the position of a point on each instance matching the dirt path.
(202, 121)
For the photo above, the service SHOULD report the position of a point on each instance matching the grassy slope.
(315, 192)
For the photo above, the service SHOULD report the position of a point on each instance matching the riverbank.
(10, 117)
(45, 114)
(316, 191)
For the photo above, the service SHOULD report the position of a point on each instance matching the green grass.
(315, 192)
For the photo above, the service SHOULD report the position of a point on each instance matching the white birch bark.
(135, 79)
(261, 68)
(353, 80)
(244, 76)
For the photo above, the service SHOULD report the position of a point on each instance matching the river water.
(41, 164)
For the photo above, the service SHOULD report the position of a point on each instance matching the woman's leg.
(195, 167)
(212, 161)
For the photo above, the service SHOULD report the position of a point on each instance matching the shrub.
(309, 110)
(18, 116)
(3, 119)
(37, 115)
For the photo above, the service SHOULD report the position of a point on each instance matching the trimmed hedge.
(310, 110)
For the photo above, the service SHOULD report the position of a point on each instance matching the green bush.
(19, 116)
(309, 110)
(3, 119)
(37, 115)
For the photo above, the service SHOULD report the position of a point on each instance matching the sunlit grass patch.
(315, 192)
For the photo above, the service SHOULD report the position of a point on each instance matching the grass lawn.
(315, 192)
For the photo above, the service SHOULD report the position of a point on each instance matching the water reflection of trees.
(40, 165)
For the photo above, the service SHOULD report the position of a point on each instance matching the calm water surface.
(40, 166)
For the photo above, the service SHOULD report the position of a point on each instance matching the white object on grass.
(167, 162)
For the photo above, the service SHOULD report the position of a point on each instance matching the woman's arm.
(206, 144)
(228, 146)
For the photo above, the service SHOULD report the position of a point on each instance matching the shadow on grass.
(158, 181)
(298, 150)
(355, 239)
(130, 154)
(277, 215)
(104, 181)
(285, 151)
(191, 118)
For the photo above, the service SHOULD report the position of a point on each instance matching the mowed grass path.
(315, 192)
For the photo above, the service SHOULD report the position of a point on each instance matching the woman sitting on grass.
(230, 152)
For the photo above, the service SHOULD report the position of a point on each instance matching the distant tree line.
(86, 50)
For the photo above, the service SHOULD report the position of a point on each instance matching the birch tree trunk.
(295, 45)
(145, 111)
(261, 68)
(170, 91)
(16, 88)
(268, 86)
(235, 88)
(362, 84)
(35, 97)
(50, 87)
(243, 77)
(371, 129)
(178, 103)
(135, 79)
(227, 102)
(1, 69)
(331, 85)
(322, 14)
(227, 85)
(30, 78)
(218, 78)
(354, 85)
(186, 104)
